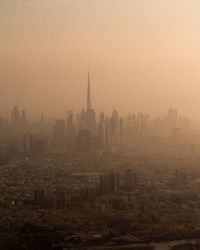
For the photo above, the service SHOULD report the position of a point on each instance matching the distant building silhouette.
(90, 116)
(84, 141)
(38, 145)
(59, 131)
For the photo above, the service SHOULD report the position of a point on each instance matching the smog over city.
(99, 124)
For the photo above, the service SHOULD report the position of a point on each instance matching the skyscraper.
(18, 119)
(90, 116)
(84, 141)
(88, 127)
(59, 132)
(88, 94)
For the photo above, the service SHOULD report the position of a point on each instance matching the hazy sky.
(144, 55)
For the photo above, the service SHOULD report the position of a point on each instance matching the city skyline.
(60, 112)
(86, 108)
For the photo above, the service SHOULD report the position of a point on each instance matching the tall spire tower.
(88, 94)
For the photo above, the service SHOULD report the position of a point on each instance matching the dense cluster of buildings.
(85, 132)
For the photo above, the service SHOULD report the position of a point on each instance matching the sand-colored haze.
(143, 55)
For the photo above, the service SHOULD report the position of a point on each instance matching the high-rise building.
(59, 134)
(101, 134)
(84, 141)
(18, 119)
(172, 119)
(23, 119)
(38, 145)
(71, 135)
(90, 116)
(88, 94)
(15, 117)
(107, 134)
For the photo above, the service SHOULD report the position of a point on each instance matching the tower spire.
(88, 93)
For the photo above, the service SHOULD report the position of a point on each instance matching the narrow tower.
(88, 94)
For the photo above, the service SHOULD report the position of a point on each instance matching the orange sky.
(143, 55)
